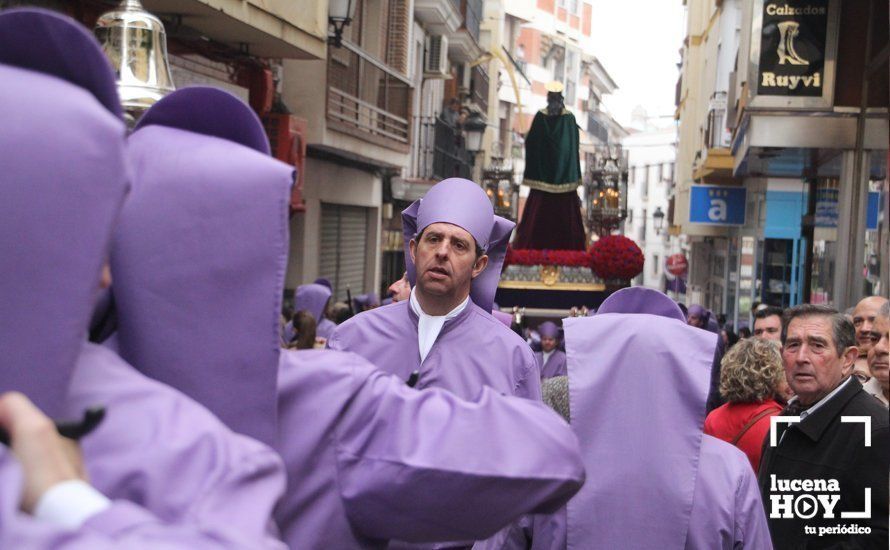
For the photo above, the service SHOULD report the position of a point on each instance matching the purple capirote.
(638, 377)
(62, 183)
(649, 353)
(548, 329)
(462, 203)
(199, 256)
(312, 298)
(641, 341)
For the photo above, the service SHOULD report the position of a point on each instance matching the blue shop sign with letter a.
(717, 205)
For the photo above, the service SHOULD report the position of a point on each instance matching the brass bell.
(135, 42)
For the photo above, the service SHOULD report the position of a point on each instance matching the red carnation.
(616, 257)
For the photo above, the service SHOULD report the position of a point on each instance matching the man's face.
(812, 365)
(548, 344)
(863, 319)
(696, 321)
(446, 260)
(769, 328)
(877, 355)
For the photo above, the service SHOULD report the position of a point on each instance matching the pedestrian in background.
(304, 331)
(750, 375)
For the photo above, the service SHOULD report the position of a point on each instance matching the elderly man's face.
(864, 318)
(878, 354)
(812, 365)
(548, 344)
(446, 260)
(769, 328)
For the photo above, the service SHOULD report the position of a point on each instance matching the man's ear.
(412, 248)
(480, 265)
(850, 356)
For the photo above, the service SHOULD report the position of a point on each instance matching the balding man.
(878, 364)
(863, 320)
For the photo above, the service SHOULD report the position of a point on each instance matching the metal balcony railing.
(472, 12)
(366, 96)
(441, 151)
(717, 135)
(597, 129)
(479, 88)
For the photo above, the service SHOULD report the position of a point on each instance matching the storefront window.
(746, 280)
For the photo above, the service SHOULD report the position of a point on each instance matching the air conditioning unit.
(436, 60)
(287, 139)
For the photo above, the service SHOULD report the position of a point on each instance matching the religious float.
(563, 262)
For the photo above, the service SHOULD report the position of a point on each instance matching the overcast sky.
(638, 42)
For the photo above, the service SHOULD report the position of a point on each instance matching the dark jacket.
(821, 447)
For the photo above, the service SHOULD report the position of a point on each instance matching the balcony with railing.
(717, 134)
(597, 129)
(464, 44)
(367, 98)
(472, 12)
(479, 88)
(440, 151)
(715, 160)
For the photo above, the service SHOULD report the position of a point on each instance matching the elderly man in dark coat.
(823, 472)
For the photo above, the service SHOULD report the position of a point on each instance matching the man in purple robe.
(314, 298)
(445, 332)
(64, 179)
(46, 502)
(360, 447)
(660, 483)
(551, 359)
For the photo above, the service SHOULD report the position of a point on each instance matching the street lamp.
(340, 14)
(474, 126)
(658, 218)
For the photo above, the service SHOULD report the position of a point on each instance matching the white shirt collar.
(810, 410)
(429, 326)
(547, 355)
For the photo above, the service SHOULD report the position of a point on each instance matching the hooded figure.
(364, 302)
(653, 463)
(186, 217)
(63, 181)
(314, 298)
(349, 471)
(203, 231)
(551, 359)
(467, 348)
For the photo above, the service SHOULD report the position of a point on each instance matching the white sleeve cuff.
(70, 504)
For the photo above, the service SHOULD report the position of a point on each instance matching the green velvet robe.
(552, 162)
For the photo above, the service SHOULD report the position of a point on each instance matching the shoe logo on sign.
(788, 30)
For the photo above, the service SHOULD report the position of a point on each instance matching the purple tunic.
(555, 365)
(659, 482)
(122, 525)
(163, 451)
(370, 459)
(62, 181)
(473, 350)
(727, 513)
(199, 256)
(325, 328)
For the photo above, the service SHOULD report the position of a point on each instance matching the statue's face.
(555, 101)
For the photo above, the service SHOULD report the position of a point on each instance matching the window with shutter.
(342, 258)
(398, 35)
